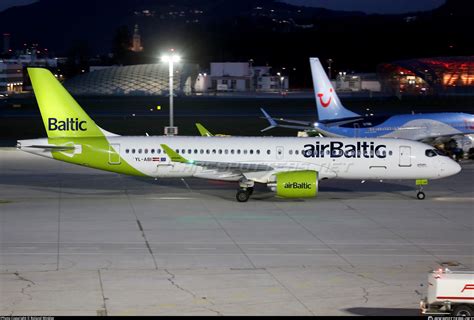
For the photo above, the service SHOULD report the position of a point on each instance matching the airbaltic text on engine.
(296, 185)
(70, 124)
(338, 149)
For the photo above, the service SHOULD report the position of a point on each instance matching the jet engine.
(295, 184)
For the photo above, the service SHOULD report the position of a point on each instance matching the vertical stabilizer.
(62, 115)
(328, 104)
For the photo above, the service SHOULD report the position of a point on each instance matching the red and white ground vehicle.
(449, 293)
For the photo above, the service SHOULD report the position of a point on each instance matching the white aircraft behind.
(290, 166)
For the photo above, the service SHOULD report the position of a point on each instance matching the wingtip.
(267, 128)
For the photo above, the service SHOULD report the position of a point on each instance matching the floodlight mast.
(171, 58)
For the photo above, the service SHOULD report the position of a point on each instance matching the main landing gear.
(245, 190)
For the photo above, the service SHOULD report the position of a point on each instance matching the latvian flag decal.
(159, 159)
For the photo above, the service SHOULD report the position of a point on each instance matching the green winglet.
(203, 131)
(174, 156)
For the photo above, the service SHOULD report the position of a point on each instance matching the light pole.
(171, 58)
(281, 78)
(329, 61)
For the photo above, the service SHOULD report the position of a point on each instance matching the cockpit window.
(439, 152)
(430, 153)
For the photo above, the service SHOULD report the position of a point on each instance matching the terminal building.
(240, 77)
(13, 64)
(446, 75)
(427, 76)
(13, 71)
(356, 82)
(142, 79)
(153, 79)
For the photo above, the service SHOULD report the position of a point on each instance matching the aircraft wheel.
(462, 311)
(420, 195)
(250, 190)
(242, 196)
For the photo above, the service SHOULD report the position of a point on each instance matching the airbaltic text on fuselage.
(70, 124)
(337, 149)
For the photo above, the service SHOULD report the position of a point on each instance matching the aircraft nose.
(451, 168)
(456, 167)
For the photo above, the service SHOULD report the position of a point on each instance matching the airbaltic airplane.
(337, 121)
(290, 166)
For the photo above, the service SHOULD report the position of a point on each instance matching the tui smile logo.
(328, 102)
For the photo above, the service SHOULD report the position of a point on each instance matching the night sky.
(371, 6)
(368, 6)
(5, 4)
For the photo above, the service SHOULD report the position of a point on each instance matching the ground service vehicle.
(449, 293)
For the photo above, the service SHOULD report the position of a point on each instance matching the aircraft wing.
(302, 125)
(218, 165)
(287, 126)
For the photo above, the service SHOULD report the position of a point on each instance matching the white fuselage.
(348, 159)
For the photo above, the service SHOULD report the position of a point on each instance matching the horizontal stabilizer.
(335, 123)
(51, 148)
(303, 125)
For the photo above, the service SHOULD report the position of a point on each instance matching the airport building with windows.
(143, 79)
(13, 70)
(444, 75)
(153, 79)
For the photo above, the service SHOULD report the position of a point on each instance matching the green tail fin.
(62, 115)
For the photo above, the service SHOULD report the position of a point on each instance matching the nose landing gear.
(420, 183)
(420, 195)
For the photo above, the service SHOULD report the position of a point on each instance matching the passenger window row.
(234, 151)
(197, 151)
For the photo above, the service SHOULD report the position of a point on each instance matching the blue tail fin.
(328, 104)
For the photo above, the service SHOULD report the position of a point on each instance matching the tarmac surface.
(77, 241)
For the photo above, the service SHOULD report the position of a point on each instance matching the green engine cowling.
(297, 184)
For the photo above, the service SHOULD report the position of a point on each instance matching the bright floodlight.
(170, 58)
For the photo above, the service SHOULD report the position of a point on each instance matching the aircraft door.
(279, 153)
(114, 153)
(405, 156)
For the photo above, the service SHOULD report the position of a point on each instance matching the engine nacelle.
(296, 184)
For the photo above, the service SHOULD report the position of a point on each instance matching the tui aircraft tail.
(329, 106)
